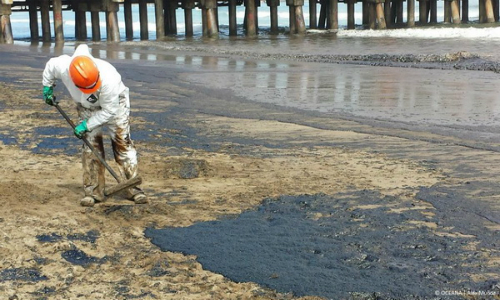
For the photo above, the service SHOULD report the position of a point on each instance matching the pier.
(377, 14)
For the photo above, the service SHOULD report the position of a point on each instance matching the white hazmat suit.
(110, 106)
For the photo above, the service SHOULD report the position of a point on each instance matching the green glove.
(81, 129)
(48, 95)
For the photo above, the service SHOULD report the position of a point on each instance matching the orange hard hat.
(84, 73)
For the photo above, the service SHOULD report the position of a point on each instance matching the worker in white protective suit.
(102, 99)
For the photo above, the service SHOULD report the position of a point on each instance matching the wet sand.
(207, 154)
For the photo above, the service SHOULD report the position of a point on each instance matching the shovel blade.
(123, 186)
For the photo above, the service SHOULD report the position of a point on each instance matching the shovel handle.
(97, 154)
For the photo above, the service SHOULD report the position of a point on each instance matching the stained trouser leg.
(93, 170)
(124, 150)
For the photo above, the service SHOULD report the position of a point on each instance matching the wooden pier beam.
(188, 6)
(380, 16)
(204, 25)
(291, 20)
(300, 24)
(350, 14)
(496, 11)
(389, 20)
(372, 15)
(80, 25)
(250, 12)
(332, 14)
(58, 20)
(232, 18)
(366, 14)
(96, 26)
(257, 5)
(209, 7)
(170, 17)
(496, 7)
(112, 20)
(129, 21)
(481, 11)
(5, 24)
(95, 8)
(393, 10)
(45, 16)
(143, 19)
(433, 13)
(422, 11)
(410, 13)
(322, 14)
(80, 21)
(488, 9)
(377, 16)
(399, 12)
(465, 11)
(33, 13)
(159, 19)
(273, 7)
(313, 10)
(455, 11)
(297, 23)
(396, 11)
(447, 11)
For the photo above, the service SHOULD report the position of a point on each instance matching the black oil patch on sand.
(21, 274)
(323, 245)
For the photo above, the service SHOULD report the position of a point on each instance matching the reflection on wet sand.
(436, 97)
(430, 97)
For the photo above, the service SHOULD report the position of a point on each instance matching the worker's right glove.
(48, 95)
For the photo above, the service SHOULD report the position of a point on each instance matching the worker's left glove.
(48, 95)
(81, 129)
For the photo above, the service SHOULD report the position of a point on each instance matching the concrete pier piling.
(377, 14)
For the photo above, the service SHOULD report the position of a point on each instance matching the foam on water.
(427, 33)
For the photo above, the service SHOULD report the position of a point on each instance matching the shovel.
(122, 185)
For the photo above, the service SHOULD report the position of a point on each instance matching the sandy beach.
(206, 155)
